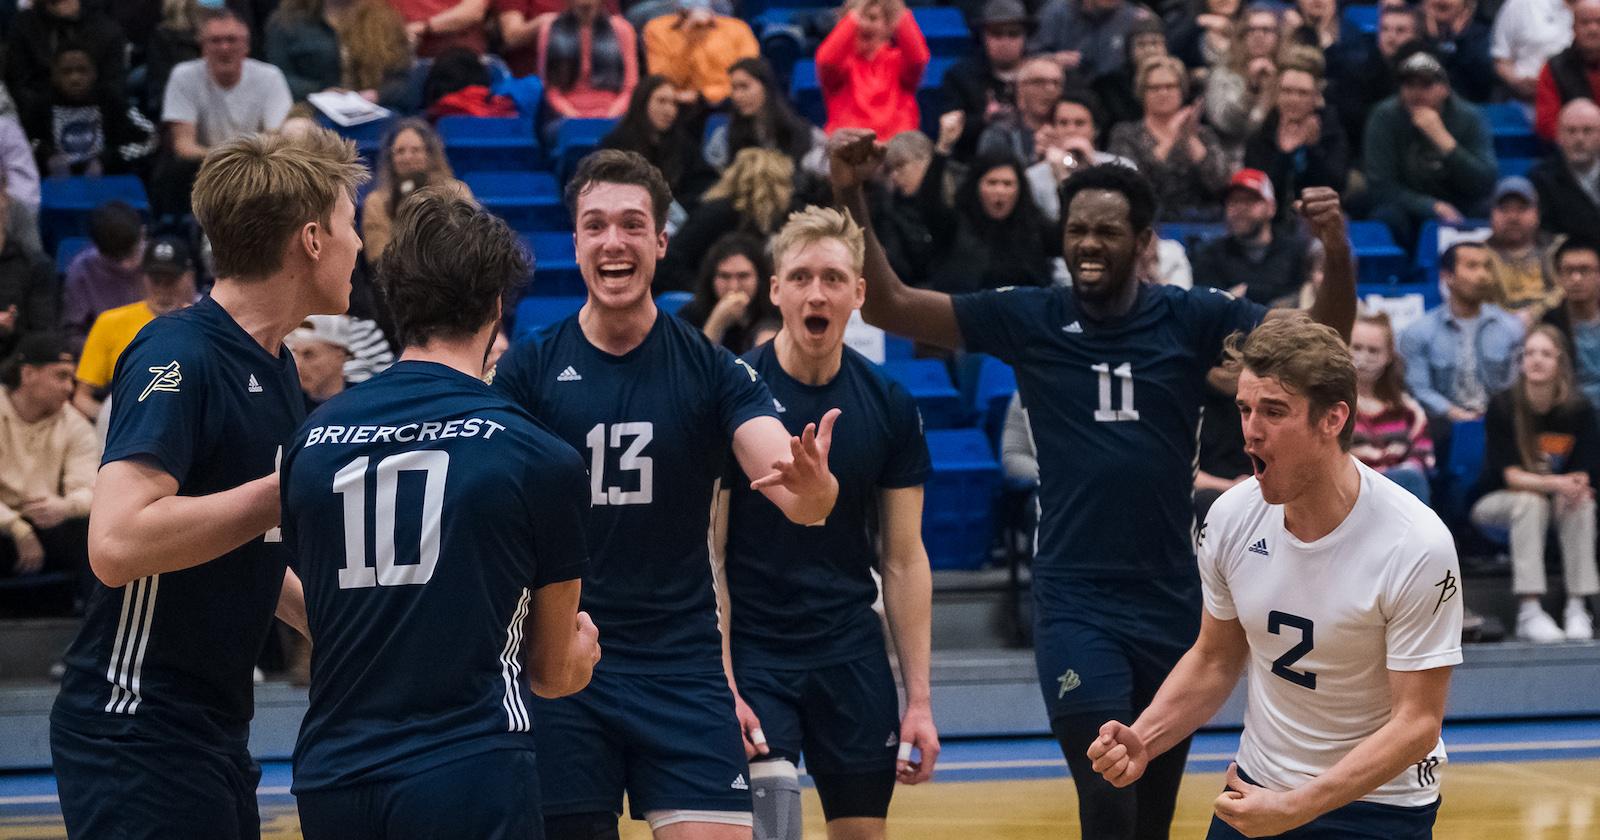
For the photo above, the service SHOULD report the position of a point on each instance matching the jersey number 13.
(637, 436)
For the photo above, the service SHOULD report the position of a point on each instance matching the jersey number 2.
(1105, 413)
(351, 483)
(1276, 621)
(630, 461)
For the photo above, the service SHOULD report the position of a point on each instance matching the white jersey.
(1326, 622)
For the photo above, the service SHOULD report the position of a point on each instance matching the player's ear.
(661, 244)
(772, 290)
(1141, 241)
(310, 239)
(861, 293)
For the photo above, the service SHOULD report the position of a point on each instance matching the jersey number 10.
(351, 483)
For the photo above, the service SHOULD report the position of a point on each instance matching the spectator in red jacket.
(1574, 73)
(869, 67)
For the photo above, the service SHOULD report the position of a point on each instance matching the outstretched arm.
(927, 316)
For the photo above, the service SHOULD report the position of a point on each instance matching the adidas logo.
(739, 783)
(568, 375)
(1074, 328)
(894, 738)
(1260, 547)
(778, 405)
(254, 387)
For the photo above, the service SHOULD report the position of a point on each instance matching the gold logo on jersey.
(748, 369)
(488, 378)
(167, 377)
(1068, 681)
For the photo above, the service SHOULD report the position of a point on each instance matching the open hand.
(806, 472)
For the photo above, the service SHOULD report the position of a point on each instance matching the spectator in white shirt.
(1526, 34)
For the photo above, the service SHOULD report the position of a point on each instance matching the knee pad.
(775, 799)
(599, 825)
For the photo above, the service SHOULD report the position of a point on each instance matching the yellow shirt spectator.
(110, 335)
(695, 48)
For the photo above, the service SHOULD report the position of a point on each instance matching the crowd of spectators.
(1230, 107)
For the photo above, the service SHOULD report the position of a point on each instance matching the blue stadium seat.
(671, 302)
(64, 203)
(897, 348)
(1467, 442)
(68, 250)
(529, 201)
(991, 396)
(480, 144)
(959, 506)
(1190, 234)
(929, 384)
(1516, 166)
(944, 29)
(367, 136)
(1512, 130)
(1428, 290)
(930, 99)
(576, 138)
(1378, 258)
(1361, 17)
(555, 271)
(535, 312)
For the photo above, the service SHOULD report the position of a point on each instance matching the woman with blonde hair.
(1541, 456)
(1182, 158)
(1391, 432)
(754, 195)
(357, 45)
(412, 157)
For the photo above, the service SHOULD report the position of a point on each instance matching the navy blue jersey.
(171, 655)
(655, 425)
(802, 596)
(422, 508)
(1115, 408)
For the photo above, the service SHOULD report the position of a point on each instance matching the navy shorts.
(1104, 646)
(845, 718)
(501, 786)
(132, 788)
(671, 741)
(1356, 821)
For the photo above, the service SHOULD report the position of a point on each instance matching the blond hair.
(1161, 62)
(1306, 358)
(815, 224)
(255, 192)
(760, 186)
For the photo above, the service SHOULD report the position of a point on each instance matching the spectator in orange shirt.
(869, 67)
(694, 48)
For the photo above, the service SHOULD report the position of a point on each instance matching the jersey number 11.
(1105, 413)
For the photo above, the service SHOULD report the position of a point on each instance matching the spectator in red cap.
(869, 68)
(1256, 259)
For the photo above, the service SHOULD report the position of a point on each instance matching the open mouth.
(1258, 463)
(816, 324)
(615, 270)
(1090, 270)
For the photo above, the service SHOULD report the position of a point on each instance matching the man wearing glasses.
(1577, 262)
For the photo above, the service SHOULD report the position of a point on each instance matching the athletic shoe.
(1537, 626)
(1580, 627)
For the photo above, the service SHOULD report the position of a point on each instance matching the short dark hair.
(1447, 260)
(1114, 177)
(115, 229)
(212, 15)
(616, 166)
(1572, 244)
(447, 266)
(1085, 98)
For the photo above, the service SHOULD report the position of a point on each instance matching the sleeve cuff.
(1425, 661)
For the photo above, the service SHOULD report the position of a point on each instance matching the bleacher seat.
(64, 203)
(929, 384)
(1510, 166)
(68, 250)
(959, 503)
(1467, 442)
(534, 312)
(1512, 130)
(555, 271)
(991, 396)
(1378, 258)
(945, 30)
(367, 136)
(480, 144)
(1190, 234)
(671, 302)
(576, 138)
(897, 348)
(1428, 240)
(1361, 17)
(529, 201)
